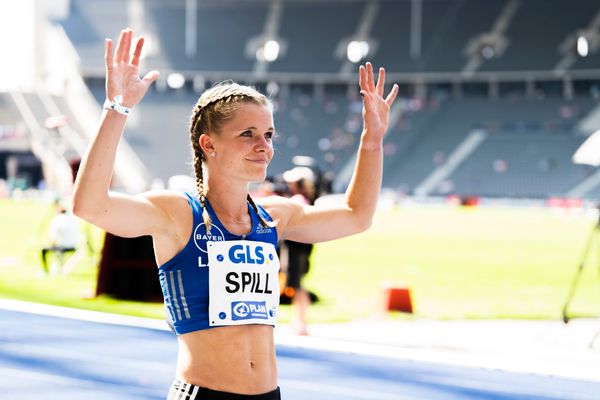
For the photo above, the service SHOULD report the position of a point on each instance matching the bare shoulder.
(176, 222)
(280, 209)
(166, 198)
(276, 206)
(173, 204)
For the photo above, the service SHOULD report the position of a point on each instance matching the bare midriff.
(237, 359)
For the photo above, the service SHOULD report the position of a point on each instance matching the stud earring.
(212, 154)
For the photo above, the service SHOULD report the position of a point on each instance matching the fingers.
(392, 96)
(151, 76)
(119, 50)
(127, 46)
(370, 78)
(108, 45)
(366, 82)
(366, 79)
(138, 51)
(123, 46)
(380, 81)
(362, 78)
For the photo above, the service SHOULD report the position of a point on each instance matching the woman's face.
(243, 147)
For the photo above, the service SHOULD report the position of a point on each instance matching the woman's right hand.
(122, 73)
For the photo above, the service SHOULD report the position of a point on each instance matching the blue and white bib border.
(243, 281)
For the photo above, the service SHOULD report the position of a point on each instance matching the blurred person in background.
(216, 248)
(64, 235)
(301, 188)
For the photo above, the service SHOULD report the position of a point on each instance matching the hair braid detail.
(201, 192)
(263, 222)
(205, 215)
(195, 120)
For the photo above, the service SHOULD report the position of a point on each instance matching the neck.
(228, 199)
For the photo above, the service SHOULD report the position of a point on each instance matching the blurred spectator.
(301, 184)
(181, 183)
(64, 235)
(500, 166)
(263, 189)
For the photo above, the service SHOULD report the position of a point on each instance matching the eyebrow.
(255, 128)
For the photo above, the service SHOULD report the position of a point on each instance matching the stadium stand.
(89, 22)
(15, 154)
(223, 29)
(445, 33)
(518, 165)
(312, 31)
(535, 35)
(528, 139)
(523, 101)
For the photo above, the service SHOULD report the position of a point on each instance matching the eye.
(247, 133)
(269, 135)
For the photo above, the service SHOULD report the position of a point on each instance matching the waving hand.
(376, 108)
(122, 73)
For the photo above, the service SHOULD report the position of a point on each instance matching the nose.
(262, 144)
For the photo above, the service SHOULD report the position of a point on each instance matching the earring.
(212, 154)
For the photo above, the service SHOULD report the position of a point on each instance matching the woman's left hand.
(376, 108)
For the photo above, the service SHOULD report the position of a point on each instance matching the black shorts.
(186, 391)
(298, 262)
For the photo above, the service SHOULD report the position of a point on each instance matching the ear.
(206, 143)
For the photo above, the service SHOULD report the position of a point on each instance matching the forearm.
(312, 224)
(365, 185)
(97, 166)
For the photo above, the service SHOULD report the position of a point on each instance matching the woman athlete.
(224, 319)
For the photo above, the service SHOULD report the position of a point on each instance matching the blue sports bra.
(184, 278)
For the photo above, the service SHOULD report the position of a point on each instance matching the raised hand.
(376, 108)
(122, 73)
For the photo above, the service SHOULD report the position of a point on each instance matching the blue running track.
(51, 358)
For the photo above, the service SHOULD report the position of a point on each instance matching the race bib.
(244, 285)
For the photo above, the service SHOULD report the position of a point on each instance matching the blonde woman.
(216, 248)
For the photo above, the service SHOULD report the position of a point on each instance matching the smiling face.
(231, 128)
(242, 145)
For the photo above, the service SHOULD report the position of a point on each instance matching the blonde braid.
(199, 170)
(263, 222)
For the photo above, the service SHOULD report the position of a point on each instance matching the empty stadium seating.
(530, 131)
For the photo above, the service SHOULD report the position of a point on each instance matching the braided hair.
(216, 106)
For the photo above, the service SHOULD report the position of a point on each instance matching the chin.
(258, 178)
(258, 174)
(254, 172)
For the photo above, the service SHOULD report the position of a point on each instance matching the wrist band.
(117, 106)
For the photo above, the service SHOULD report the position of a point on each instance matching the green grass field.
(459, 263)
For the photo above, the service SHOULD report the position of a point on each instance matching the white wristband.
(117, 106)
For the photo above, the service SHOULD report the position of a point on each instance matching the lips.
(258, 160)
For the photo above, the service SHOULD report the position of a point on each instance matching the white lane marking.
(82, 315)
(539, 364)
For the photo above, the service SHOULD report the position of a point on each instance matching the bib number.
(243, 283)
